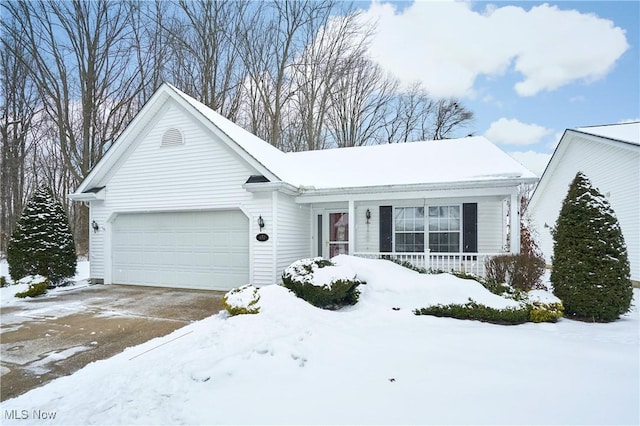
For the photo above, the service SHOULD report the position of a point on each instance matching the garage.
(200, 250)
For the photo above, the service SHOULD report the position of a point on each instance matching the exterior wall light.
(260, 222)
(367, 214)
(95, 226)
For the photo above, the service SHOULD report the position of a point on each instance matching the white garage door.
(200, 250)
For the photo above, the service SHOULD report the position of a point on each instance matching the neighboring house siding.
(491, 225)
(293, 233)
(202, 174)
(613, 168)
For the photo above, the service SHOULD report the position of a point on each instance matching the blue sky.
(528, 70)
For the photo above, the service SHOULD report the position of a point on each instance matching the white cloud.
(447, 45)
(514, 132)
(534, 161)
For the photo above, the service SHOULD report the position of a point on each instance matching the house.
(186, 198)
(610, 157)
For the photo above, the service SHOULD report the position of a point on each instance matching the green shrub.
(37, 287)
(42, 242)
(475, 311)
(241, 301)
(406, 264)
(3, 281)
(298, 278)
(545, 312)
(591, 273)
(521, 271)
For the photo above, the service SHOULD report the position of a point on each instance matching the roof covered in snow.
(466, 160)
(444, 161)
(624, 132)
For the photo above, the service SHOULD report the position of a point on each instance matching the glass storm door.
(338, 233)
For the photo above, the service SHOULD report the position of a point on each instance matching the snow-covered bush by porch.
(42, 243)
(591, 272)
(322, 283)
(242, 300)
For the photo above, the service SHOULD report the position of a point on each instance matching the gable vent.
(172, 137)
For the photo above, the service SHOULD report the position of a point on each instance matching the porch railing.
(469, 263)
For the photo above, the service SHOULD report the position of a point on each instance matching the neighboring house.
(186, 198)
(610, 157)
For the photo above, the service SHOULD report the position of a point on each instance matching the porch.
(468, 263)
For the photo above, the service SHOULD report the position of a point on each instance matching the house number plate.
(262, 237)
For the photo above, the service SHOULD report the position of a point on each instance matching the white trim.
(400, 192)
(352, 226)
(274, 232)
(514, 220)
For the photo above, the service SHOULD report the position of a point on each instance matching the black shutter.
(386, 229)
(470, 227)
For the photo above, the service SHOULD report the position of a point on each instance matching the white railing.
(469, 263)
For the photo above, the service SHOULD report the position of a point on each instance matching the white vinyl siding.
(293, 233)
(206, 175)
(612, 167)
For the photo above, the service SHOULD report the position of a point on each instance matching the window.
(444, 229)
(409, 229)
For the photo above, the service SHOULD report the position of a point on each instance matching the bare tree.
(409, 115)
(275, 35)
(18, 110)
(360, 104)
(449, 115)
(334, 45)
(205, 58)
(81, 63)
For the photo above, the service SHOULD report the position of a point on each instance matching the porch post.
(514, 221)
(352, 226)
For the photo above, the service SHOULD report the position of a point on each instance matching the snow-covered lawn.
(366, 364)
(7, 293)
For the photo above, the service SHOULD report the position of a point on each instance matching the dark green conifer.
(591, 273)
(42, 243)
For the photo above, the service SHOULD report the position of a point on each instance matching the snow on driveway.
(367, 364)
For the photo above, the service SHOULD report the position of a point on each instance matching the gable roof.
(623, 132)
(471, 159)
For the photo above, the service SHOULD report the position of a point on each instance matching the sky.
(527, 70)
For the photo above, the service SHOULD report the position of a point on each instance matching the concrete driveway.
(53, 336)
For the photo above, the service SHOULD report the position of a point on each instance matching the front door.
(338, 231)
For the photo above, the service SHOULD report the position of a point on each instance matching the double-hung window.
(444, 229)
(409, 229)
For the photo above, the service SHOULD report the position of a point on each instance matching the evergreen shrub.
(476, 311)
(590, 272)
(242, 300)
(42, 242)
(37, 286)
(298, 278)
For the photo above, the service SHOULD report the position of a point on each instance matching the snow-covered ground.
(366, 364)
(7, 293)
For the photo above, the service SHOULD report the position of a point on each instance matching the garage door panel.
(207, 250)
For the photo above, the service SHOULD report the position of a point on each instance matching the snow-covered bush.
(37, 286)
(242, 300)
(42, 243)
(321, 283)
(591, 273)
